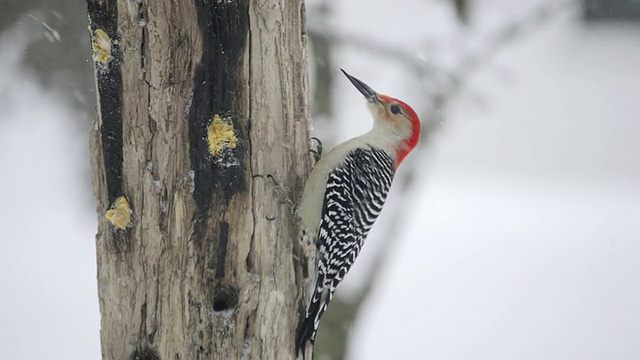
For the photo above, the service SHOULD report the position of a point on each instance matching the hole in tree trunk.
(224, 298)
(144, 352)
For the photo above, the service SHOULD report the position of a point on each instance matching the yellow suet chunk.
(120, 213)
(101, 45)
(221, 135)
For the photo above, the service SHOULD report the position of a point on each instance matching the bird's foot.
(317, 152)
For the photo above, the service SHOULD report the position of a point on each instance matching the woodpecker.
(345, 193)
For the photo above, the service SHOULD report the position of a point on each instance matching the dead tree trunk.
(195, 97)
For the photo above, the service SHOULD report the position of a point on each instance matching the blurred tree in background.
(57, 46)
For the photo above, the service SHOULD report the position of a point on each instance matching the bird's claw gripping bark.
(281, 197)
(317, 152)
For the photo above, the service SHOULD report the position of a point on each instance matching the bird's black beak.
(365, 89)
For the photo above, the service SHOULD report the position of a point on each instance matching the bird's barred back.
(355, 194)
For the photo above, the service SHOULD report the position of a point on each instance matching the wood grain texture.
(199, 273)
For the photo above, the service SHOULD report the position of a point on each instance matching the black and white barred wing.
(354, 196)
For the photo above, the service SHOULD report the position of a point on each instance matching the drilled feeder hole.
(144, 352)
(225, 298)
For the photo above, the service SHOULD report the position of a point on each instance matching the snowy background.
(523, 241)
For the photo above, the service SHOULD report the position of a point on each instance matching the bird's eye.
(395, 109)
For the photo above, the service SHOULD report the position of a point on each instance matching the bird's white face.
(392, 115)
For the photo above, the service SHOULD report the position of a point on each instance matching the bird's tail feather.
(309, 326)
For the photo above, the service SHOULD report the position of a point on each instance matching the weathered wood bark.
(195, 97)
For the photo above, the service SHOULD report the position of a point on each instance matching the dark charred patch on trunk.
(218, 94)
(221, 253)
(103, 19)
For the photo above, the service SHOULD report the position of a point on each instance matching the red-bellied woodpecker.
(345, 193)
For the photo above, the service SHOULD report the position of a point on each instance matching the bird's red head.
(403, 119)
(399, 113)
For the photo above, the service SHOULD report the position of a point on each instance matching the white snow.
(49, 304)
(157, 185)
(497, 267)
